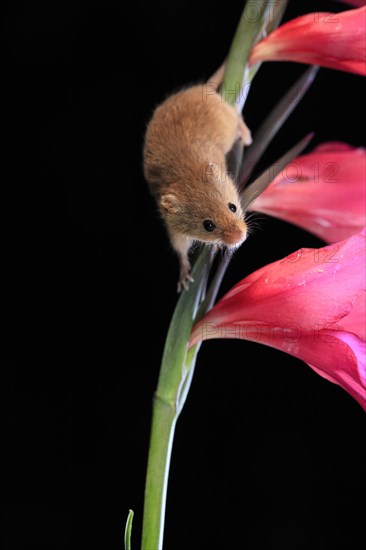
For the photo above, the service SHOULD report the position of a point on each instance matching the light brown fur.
(184, 163)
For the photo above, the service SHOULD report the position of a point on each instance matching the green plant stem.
(244, 38)
(161, 439)
(278, 9)
(178, 364)
(174, 381)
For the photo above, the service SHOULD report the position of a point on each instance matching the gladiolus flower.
(323, 192)
(333, 40)
(310, 305)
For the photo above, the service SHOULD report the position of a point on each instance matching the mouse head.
(210, 214)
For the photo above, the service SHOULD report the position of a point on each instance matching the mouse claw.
(181, 286)
(183, 283)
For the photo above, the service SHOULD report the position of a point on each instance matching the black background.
(267, 454)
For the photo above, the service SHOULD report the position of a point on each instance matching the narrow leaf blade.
(275, 120)
(249, 26)
(128, 530)
(175, 351)
(278, 10)
(253, 191)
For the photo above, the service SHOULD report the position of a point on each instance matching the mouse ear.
(170, 203)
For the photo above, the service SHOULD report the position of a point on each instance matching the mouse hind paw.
(181, 244)
(184, 279)
(244, 132)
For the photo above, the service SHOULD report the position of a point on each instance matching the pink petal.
(323, 192)
(333, 147)
(311, 285)
(304, 305)
(337, 357)
(355, 321)
(334, 40)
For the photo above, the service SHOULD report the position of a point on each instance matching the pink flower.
(310, 305)
(323, 192)
(334, 40)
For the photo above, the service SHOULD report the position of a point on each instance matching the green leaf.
(253, 191)
(274, 121)
(278, 9)
(172, 370)
(273, 19)
(250, 25)
(178, 364)
(128, 530)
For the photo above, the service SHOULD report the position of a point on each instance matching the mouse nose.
(235, 234)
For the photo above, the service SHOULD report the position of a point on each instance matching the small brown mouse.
(185, 145)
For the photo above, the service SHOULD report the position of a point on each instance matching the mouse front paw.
(244, 132)
(184, 280)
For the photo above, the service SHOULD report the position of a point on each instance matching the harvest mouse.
(185, 145)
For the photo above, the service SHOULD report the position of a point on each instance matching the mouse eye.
(209, 225)
(232, 207)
